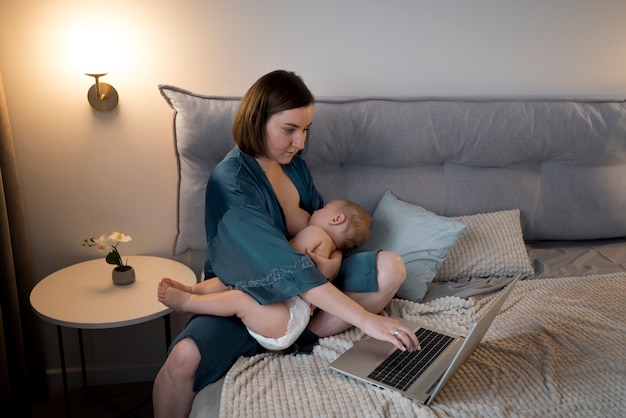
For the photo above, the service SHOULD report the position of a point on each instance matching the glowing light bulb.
(93, 50)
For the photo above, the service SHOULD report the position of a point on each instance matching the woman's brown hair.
(273, 93)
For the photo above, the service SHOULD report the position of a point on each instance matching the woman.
(258, 197)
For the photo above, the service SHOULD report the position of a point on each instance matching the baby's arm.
(321, 248)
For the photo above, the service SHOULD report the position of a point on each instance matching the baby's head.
(353, 228)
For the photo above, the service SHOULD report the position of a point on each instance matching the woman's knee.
(184, 359)
(391, 270)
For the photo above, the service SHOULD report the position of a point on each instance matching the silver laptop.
(421, 374)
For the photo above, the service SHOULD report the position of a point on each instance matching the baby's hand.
(329, 267)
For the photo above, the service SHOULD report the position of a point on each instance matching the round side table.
(83, 296)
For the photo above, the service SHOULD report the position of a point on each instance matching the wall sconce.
(102, 96)
(93, 51)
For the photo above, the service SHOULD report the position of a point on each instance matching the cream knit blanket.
(557, 349)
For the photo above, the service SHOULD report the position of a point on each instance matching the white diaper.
(299, 315)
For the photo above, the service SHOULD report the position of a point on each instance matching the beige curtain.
(22, 371)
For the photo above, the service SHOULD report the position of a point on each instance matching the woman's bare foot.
(172, 296)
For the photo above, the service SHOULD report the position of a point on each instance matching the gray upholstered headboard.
(562, 162)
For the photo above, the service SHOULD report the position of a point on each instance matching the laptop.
(419, 375)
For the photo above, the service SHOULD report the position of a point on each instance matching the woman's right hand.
(391, 330)
(330, 299)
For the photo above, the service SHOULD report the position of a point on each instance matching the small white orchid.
(110, 243)
(102, 244)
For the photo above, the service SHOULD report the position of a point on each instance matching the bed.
(538, 187)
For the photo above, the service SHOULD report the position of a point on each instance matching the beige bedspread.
(557, 348)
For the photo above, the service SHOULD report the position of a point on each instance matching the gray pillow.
(492, 245)
(420, 237)
(202, 137)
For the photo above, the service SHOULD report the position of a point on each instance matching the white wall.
(84, 173)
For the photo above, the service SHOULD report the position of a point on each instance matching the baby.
(340, 225)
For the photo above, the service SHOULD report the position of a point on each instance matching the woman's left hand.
(329, 267)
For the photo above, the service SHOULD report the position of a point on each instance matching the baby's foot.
(171, 296)
(178, 285)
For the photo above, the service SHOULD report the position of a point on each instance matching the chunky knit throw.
(556, 349)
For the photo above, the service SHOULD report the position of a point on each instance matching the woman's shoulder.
(231, 159)
(231, 167)
(236, 179)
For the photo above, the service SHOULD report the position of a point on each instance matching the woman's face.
(287, 132)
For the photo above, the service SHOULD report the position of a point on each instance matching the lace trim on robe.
(277, 274)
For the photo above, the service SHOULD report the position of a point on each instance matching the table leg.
(168, 332)
(82, 363)
(66, 394)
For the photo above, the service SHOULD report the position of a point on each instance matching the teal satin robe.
(248, 245)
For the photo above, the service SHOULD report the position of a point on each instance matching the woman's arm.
(330, 299)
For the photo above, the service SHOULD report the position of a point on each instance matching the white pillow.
(492, 245)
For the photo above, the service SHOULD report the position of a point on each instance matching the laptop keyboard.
(402, 368)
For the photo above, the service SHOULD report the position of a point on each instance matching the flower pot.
(123, 275)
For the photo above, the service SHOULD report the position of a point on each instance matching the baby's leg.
(267, 320)
(212, 285)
